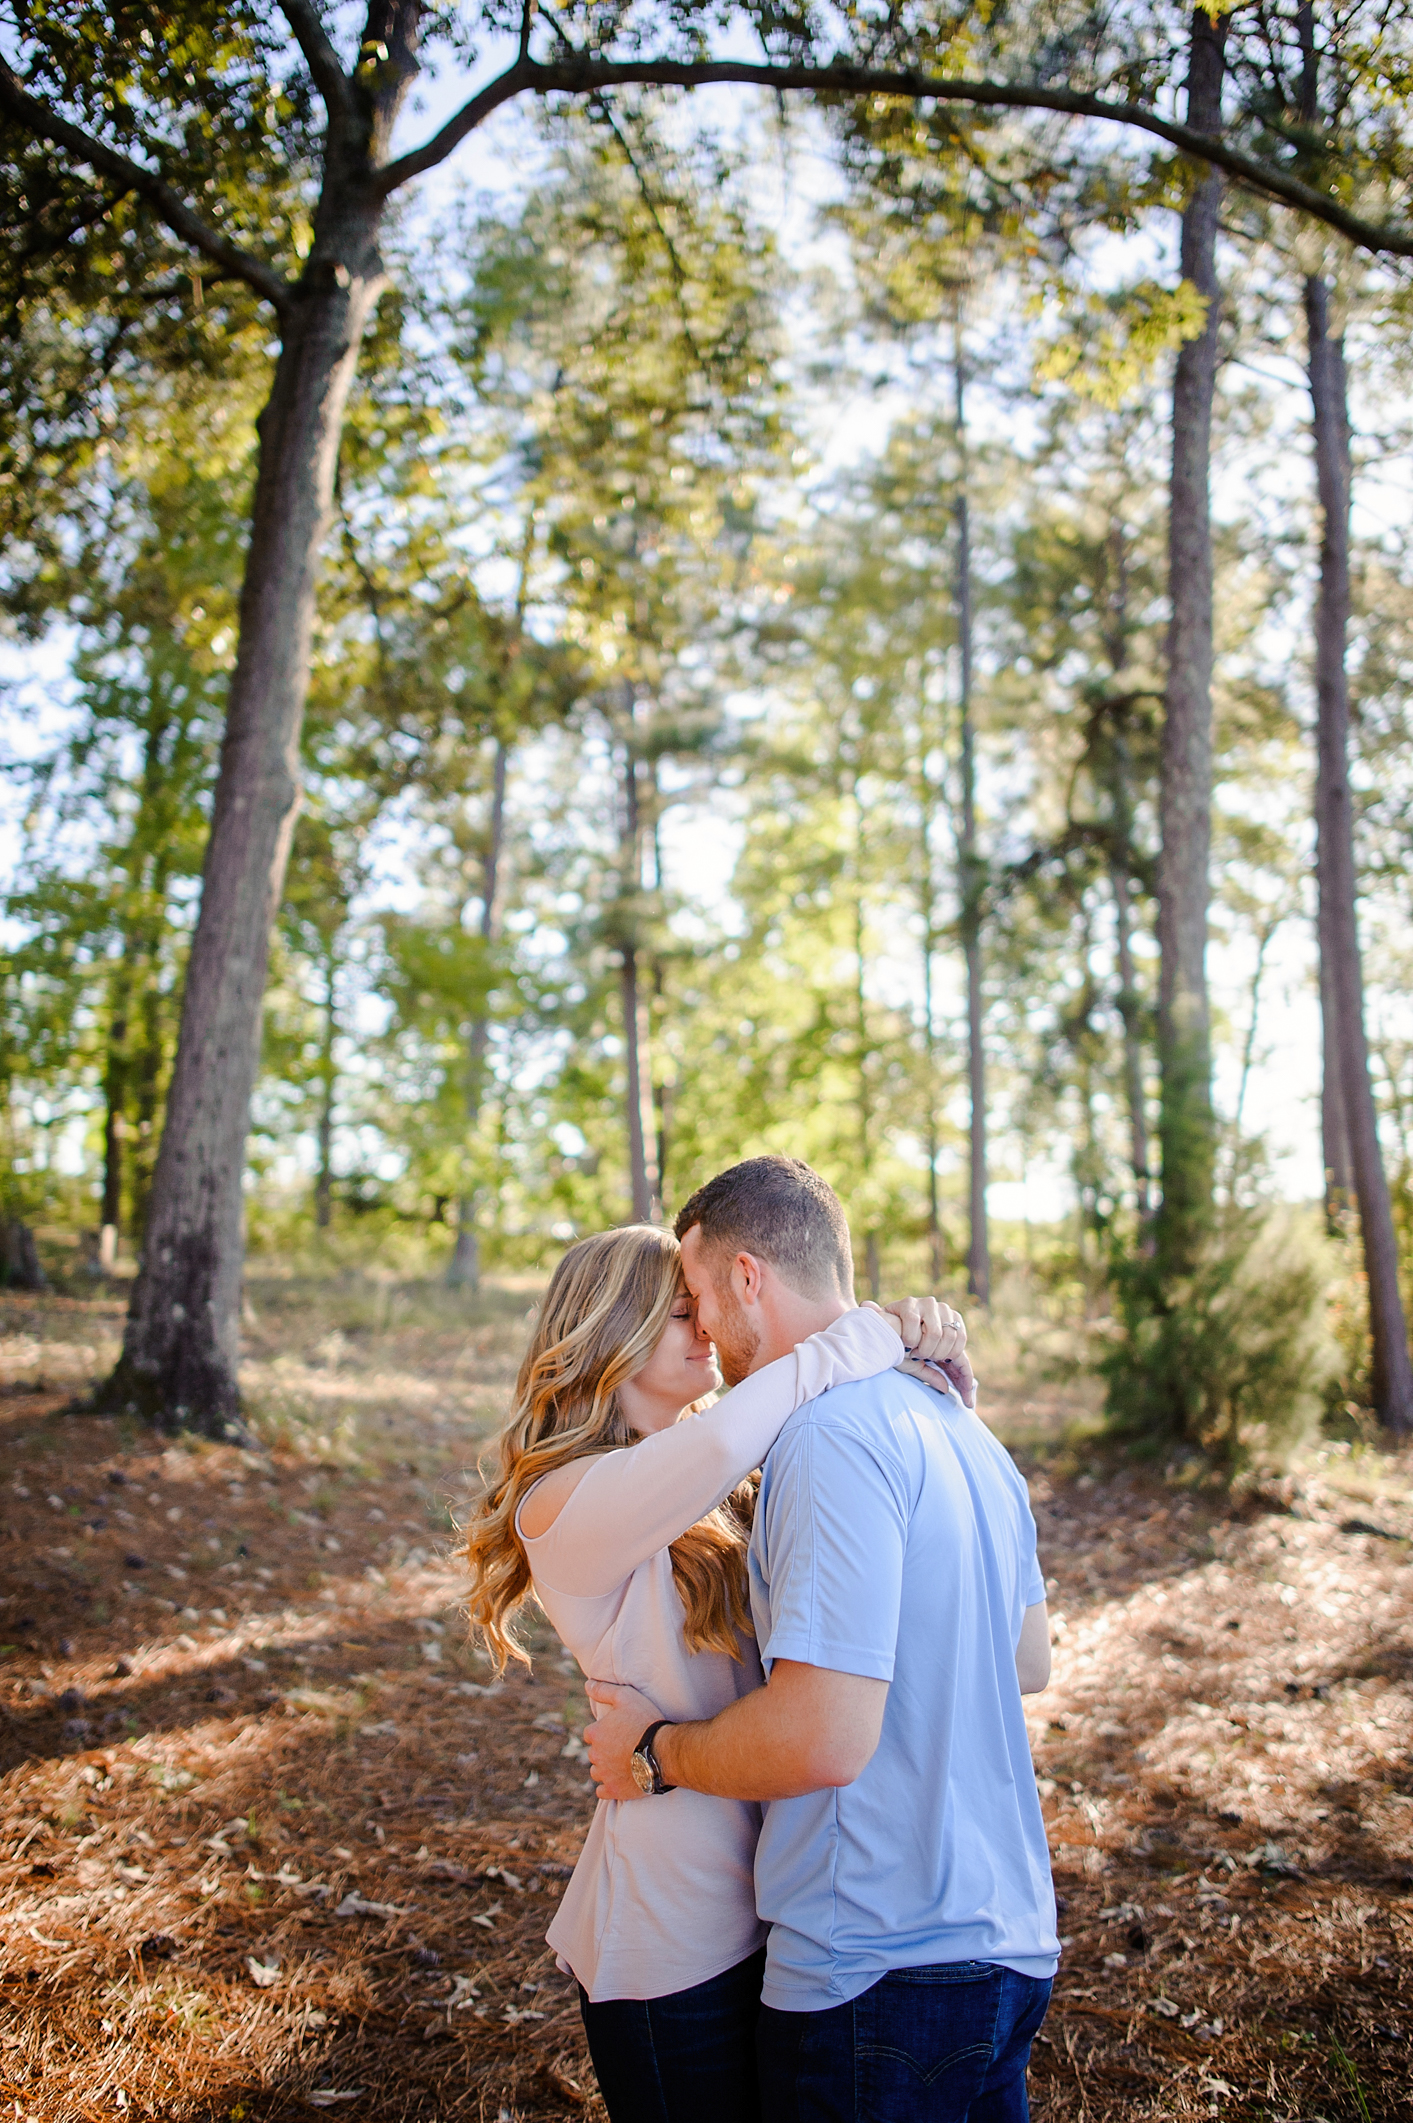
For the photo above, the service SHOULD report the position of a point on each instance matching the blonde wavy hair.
(604, 1313)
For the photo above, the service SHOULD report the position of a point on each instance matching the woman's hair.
(604, 1313)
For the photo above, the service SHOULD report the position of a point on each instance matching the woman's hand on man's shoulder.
(934, 1334)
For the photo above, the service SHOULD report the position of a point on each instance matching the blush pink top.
(663, 1895)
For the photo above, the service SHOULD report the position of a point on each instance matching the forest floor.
(273, 1838)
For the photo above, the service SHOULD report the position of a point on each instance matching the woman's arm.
(627, 1505)
(1033, 1650)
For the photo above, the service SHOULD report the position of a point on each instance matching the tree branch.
(585, 76)
(322, 60)
(37, 118)
(504, 89)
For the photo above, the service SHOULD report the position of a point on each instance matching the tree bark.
(1331, 437)
(1186, 1124)
(972, 878)
(1334, 1126)
(178, 1366)
(463, 1270)
(20, 1267)
(1391, 1373)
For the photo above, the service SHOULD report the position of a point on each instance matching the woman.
(638, 1558)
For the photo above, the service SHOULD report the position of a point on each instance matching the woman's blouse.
(663, 1895)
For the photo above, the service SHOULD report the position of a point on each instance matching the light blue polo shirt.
(894, 1538)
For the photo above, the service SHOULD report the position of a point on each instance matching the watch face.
(642, 1772)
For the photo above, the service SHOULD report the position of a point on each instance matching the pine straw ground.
(272, 1839)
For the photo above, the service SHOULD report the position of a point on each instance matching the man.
(900, 1613)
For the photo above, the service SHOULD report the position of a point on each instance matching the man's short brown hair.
(781, 1210)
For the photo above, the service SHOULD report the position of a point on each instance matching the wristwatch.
(644, 1763)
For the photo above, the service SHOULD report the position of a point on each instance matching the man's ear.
(747, 1278)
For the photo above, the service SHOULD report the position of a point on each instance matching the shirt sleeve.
(636, 1501)
(831, 1549)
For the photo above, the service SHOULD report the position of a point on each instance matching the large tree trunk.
(1391, 1382)
(1331, 420)
(1185, 801)
(973, 877)
(463, 1271)
(178, 1365)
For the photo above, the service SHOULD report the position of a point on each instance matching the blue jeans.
(946, 2044)
(687, 2058)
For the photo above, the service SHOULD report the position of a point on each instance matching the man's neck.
(792, 1318)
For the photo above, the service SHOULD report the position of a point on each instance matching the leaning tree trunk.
(972, 879)
(1391, 1381)
(178, 1365)
(1186, 1125)
(1331, 424)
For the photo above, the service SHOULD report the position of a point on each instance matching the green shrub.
(1234, 1360)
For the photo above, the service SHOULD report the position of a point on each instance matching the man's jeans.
(946, 2044)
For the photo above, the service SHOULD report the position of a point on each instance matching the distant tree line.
(524, 519)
